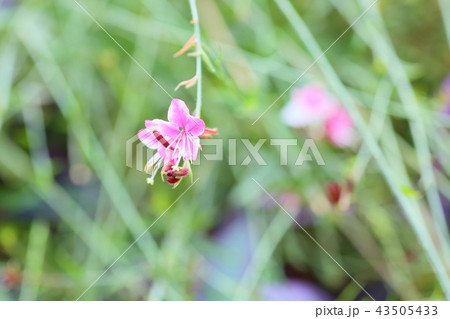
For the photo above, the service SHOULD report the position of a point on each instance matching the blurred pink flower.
(339, 128)
(313, 105)
(175, 139)
(308, 105)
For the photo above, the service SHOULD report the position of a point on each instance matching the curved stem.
(198, 69)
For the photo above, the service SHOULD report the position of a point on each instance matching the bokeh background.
(70, 98)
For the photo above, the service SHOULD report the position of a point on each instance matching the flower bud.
(334, 191)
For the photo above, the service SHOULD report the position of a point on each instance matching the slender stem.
(198, 59)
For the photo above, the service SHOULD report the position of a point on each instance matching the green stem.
(34, 260)
(198, 59)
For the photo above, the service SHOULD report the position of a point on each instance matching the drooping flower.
(309, 105)
(339, 128)
(175, 140)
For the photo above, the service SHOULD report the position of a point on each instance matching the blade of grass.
(414, 217)
(7, 62)
(34, 260)
(383, 46)
(262, 254)
(376, 122)
(87, 141)
(16, 162)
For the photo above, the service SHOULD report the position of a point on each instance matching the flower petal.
(178, 113)
(191, 146)
(314, 101)
(169, 130)
(194, 126)
(148, 138)
(339, 128)
(152, 123)
(294, 116)
(168, 155)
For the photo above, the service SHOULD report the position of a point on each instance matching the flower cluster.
(312, 105)
(176, 141)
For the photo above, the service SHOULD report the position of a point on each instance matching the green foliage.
(70, 98)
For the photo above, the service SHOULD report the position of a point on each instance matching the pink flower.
(310, 104)
(175, 140)
(339, 128)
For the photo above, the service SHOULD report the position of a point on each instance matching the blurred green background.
(70, 98)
